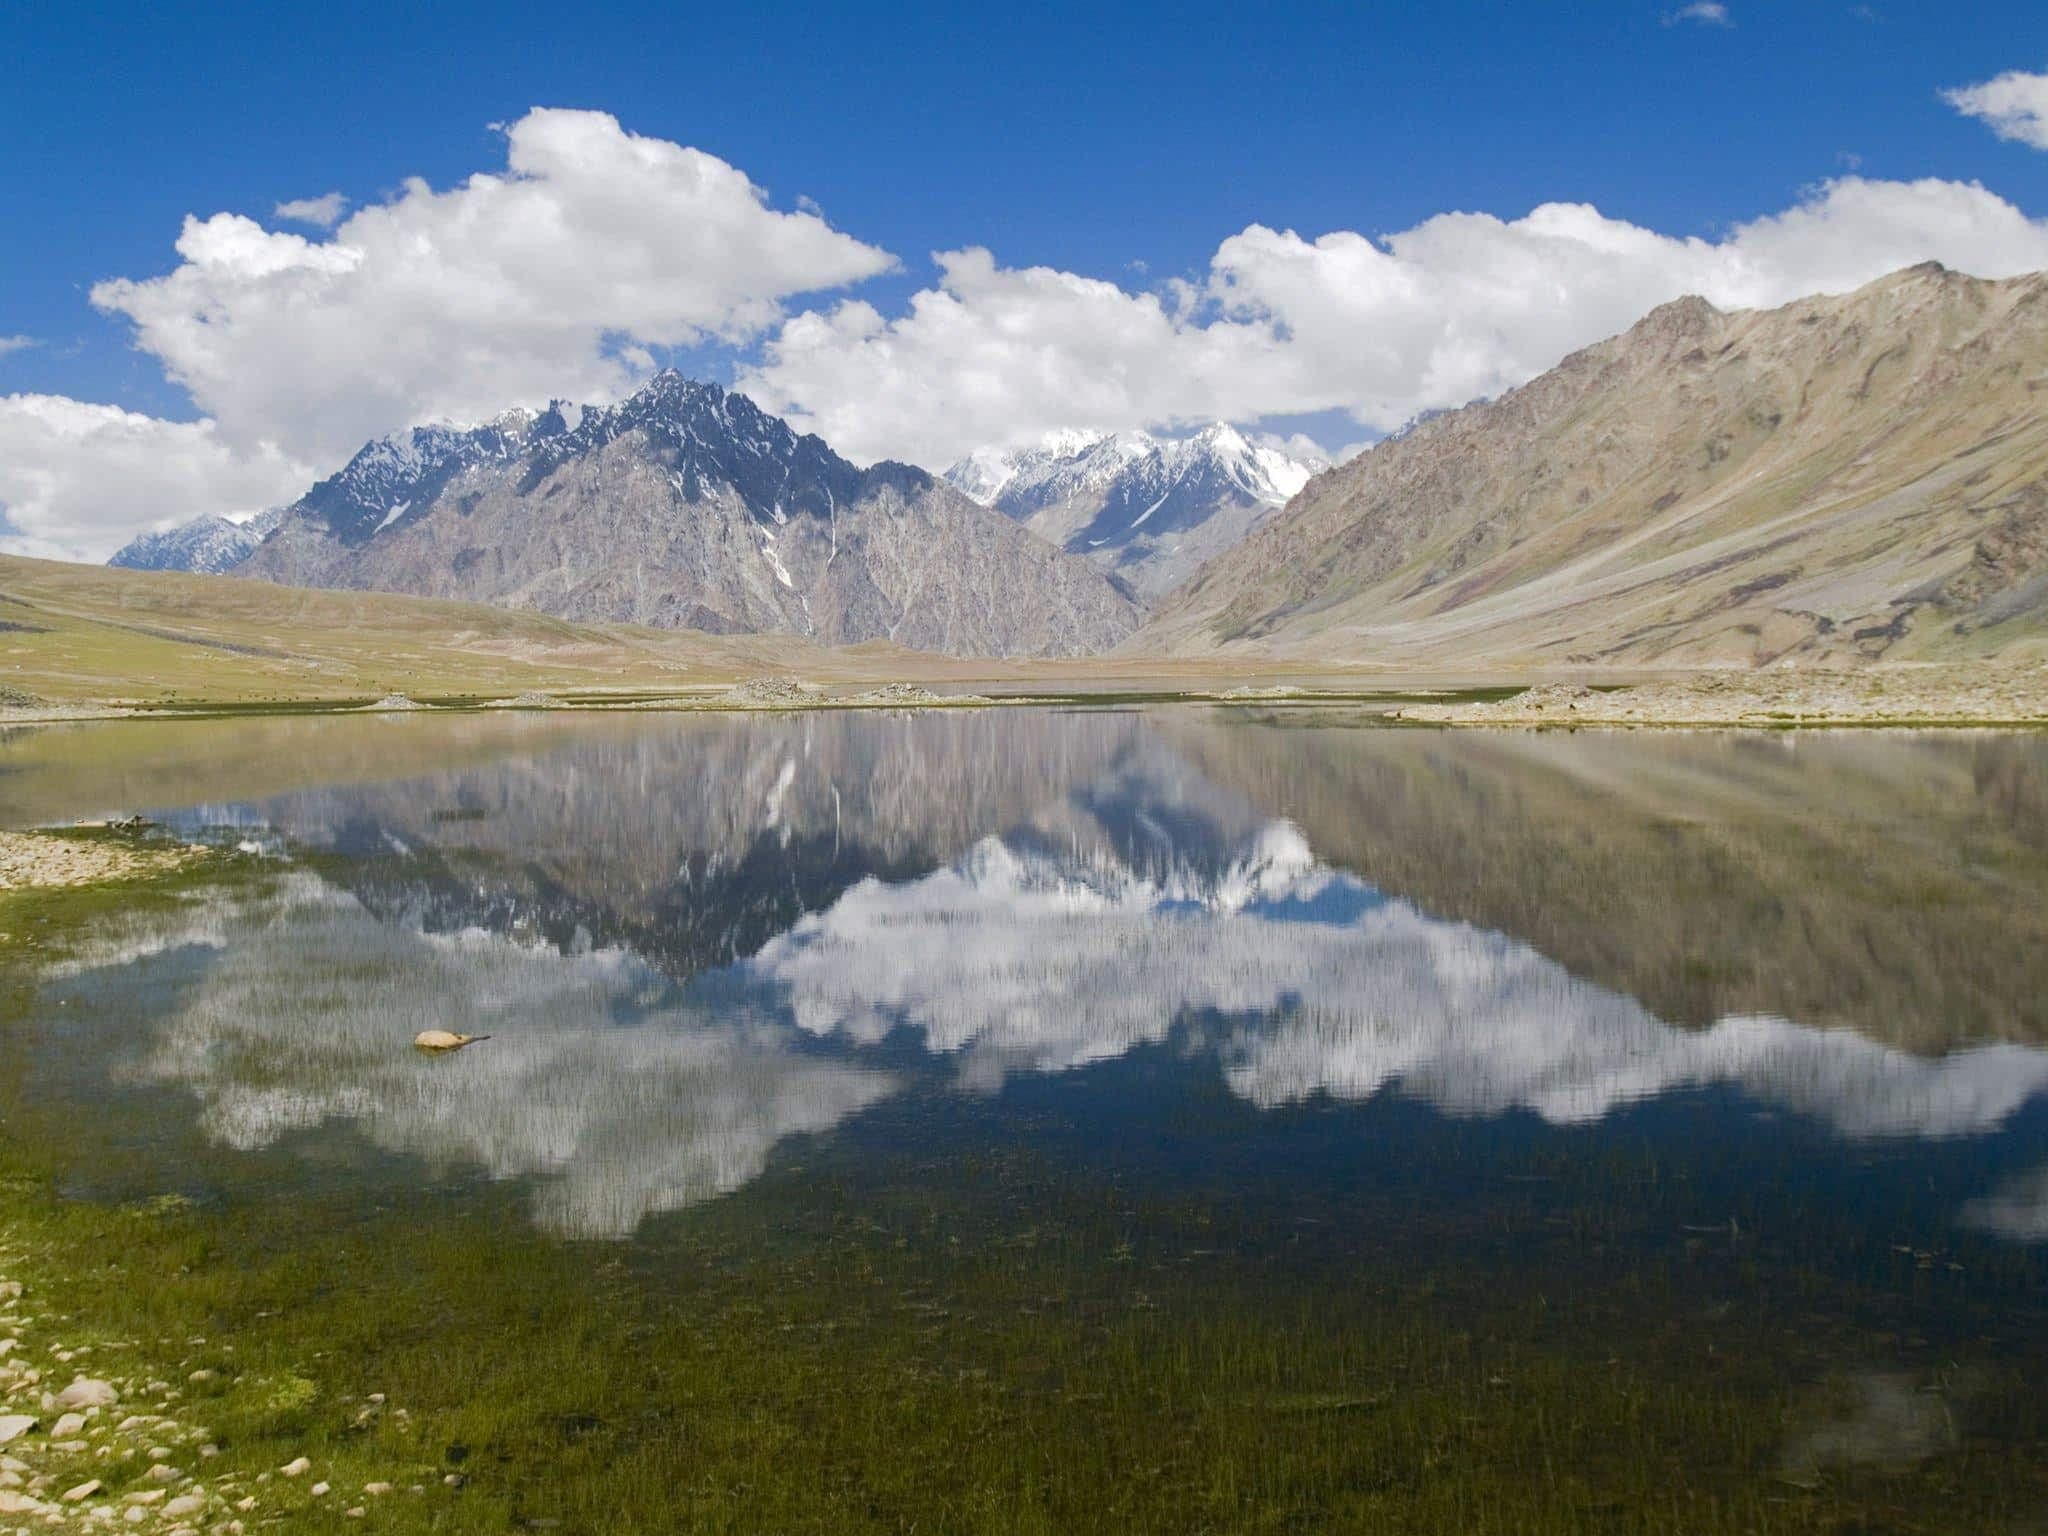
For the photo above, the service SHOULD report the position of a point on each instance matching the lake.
(1143, 1119)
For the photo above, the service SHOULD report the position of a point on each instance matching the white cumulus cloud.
(77, 481)
(322, 212)
(2014, 105)
(1461, 306)
(548, 278)
(15, 344)
(563, 272)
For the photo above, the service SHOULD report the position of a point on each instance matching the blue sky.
(1123, 145)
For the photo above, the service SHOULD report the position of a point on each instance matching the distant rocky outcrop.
(208, 544)
(1151, 510)
(1841, 479)
(686, 507)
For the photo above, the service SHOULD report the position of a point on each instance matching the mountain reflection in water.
(690, 947)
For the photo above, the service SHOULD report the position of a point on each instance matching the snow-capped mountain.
(207, 544)
(686, 507)
(1150, 509)
(405, 471)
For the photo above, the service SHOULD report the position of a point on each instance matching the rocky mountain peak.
(684, 505)
(1149, 508)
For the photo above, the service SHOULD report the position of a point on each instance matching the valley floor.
(85, 642)
(1916, 697)
(1984, 694)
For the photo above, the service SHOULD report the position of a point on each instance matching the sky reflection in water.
(1098, 896)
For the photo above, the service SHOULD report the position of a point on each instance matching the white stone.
(185, 1504)
(82, 1492)
(71, 1424)
(298, 1467)
(87, 1393)
(15, 1425)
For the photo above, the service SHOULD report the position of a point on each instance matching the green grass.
(981, 1341)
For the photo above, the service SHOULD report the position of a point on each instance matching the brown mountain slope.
(686, 507)
(1844, 478)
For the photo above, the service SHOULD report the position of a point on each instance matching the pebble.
(87, 1393)
(71, 1424)
(162, 1473)
(82, 1492)
(15, 1425)
(185, 1504)
(318, 1490)
(296, 1468)
(376, 1490)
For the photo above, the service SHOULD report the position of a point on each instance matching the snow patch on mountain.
(1150, 509)
(208, 544)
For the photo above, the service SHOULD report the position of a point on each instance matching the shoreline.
(1976, 698)
(1919, 698)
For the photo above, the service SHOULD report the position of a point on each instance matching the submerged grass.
(987, 1339)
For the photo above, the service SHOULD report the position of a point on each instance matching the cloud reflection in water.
(625, 1093)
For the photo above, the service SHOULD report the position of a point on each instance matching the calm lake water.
(1179, 1119)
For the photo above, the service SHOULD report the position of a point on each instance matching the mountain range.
(208, 544)
(681, 507)
(1842, 479)
(1151, 510)
(684, 506)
